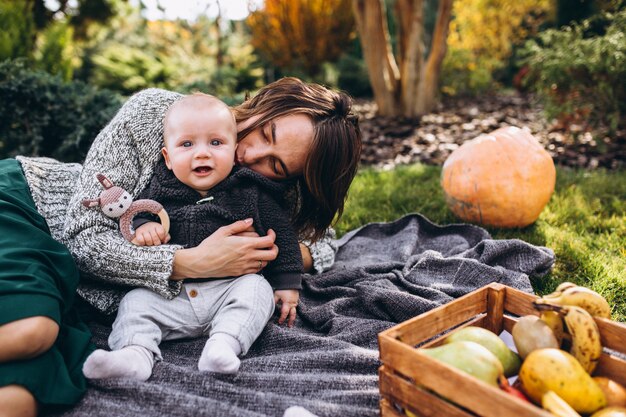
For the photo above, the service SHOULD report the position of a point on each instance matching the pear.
(555, 370)
(615, 393)
(509, 359)
(530, 333)
(469, 357)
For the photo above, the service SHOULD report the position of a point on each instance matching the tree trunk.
(409, 86)
(371, 22)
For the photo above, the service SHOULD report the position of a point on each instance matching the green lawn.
(584, 222)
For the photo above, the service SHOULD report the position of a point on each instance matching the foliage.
(304, 33)
(80, 14)
(55, 50)
(579, 74)
(352, 76)
(132, 54)
(584, 222)
(18, 29)
(128, 69)
(482, 36)
(42, 115)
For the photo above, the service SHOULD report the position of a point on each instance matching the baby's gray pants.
(239, 307)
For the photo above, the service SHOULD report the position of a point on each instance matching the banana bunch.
(570, 294)
(576, 306)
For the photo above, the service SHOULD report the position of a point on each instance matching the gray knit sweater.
(126, 151)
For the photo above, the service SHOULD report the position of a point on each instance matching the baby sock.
(220, 354)
(134, 362)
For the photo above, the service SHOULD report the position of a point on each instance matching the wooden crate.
(408, 378)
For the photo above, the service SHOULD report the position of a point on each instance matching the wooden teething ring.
(142, 206)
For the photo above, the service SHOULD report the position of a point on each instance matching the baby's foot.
(134, 362)
(220, 355)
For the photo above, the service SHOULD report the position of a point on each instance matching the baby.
(198, 185)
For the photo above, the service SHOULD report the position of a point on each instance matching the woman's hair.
(333, 158)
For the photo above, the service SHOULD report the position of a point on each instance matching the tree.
(406, 86)
(304, 33)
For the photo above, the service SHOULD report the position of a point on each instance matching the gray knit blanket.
(385, 273)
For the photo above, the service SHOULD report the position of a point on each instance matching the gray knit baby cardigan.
(126, 151)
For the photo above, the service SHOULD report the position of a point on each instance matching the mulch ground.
(430, 139)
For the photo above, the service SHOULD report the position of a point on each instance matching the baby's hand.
(151, 234)
(289, 301)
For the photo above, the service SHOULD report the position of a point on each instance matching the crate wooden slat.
(415, 382)
(386, 409)
(398, 388)
(431, 323)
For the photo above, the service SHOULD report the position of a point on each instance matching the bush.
(18, 29)
(40, 115)
(353, 76)
(579, 71)
(464, 73)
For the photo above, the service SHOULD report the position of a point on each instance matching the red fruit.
(506, 387)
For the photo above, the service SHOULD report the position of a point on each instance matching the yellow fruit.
(611, 412)
(614, 392)
(555, 322)
(556, 370)
(583, 297)
(557, 406)
(586, 343)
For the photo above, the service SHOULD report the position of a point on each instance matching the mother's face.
(278, 149)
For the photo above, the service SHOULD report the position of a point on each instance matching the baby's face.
(200, 143)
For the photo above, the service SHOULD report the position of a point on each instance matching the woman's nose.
(255, 153)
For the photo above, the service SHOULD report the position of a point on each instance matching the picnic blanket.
(385, 273)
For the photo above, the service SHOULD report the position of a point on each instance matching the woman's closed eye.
(277, 167)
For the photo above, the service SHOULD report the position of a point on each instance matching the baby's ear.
(166, 157)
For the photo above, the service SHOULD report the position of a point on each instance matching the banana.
(586, 346)
(562, 287)
(565, 285)
(583, 297)
(582, 327)
(557, 406)
(555, 322)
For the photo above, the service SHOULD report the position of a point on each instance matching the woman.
(289, 130)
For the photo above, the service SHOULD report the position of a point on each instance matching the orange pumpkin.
(501, 179)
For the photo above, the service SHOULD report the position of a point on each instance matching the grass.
(584, 222)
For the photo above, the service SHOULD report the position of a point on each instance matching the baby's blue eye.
(216, 142)
(186, 144)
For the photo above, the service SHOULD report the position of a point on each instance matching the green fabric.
(38, 277)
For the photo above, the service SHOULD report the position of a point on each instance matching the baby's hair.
(194, 100)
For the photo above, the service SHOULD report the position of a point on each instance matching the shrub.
(18, 29)
(579, 71)
(353, 76)
(41, 115)
(464, 72)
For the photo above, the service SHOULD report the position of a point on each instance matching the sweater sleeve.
(126, 151)
(284, 272)
(323, 251)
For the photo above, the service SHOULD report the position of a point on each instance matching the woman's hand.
(229, 251)
(288, 302)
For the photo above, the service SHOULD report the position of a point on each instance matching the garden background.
(554, 67)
